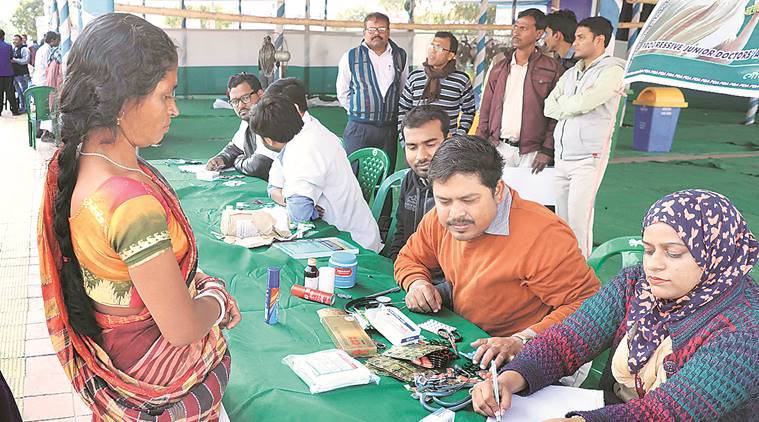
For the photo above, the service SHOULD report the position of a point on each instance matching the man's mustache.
(459, 222)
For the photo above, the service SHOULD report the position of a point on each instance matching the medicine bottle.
(311, 275)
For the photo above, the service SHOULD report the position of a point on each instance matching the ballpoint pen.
(494, 374)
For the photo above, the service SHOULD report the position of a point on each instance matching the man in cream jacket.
(584, 103)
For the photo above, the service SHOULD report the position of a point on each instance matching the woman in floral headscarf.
(682, 327)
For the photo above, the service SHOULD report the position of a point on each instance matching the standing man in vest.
(584, 102)
(370, 78)
(511, 113)
(20, 64)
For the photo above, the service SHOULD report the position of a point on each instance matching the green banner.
(700, 44)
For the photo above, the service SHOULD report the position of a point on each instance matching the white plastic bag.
(329, 370)
(440, 415)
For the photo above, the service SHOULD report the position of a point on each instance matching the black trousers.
(8, 409)
(359, 135)
(8, 93)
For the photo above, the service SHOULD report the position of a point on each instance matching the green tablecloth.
(261, 387)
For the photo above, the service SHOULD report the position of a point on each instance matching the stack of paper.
(553, 401)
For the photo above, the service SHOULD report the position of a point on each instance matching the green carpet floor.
(627, 190)
(201, 131)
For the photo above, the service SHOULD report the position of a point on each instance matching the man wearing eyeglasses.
(439, 83)
(369, 82)
(511, 113)
(246, 151)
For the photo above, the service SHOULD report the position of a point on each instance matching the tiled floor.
(27, 359)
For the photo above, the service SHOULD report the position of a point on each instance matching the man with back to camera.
(311, 176)
(42, 57)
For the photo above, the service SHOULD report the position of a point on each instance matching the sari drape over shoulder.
(133, 373)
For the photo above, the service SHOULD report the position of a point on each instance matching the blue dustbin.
(656, 114)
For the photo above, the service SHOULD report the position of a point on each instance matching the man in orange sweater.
(514, 266)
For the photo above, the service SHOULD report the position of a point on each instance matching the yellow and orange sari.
(159, 382)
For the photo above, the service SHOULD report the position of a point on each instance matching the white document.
(200, 168)
(534, 187)
(552, 402)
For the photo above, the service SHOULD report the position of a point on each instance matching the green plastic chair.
(630, 248)
(392, 186)
(38, 108)
(373, 166)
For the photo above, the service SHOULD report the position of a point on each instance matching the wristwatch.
(523, 338)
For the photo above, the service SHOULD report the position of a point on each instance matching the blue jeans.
(21, 83)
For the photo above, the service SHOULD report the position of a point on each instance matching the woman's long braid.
(99, 80)
(78, 304)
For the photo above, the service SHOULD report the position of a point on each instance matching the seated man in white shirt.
(246, 152)
(312, 176)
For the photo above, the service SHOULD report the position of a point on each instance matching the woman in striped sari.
(135, 325)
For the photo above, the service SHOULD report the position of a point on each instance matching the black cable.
(352, 305)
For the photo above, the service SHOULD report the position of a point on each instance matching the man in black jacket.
(246, 151)
(424, 128)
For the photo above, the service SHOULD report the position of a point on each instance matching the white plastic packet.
(329, 370)
(440, 415)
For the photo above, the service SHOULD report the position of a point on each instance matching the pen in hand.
(494, 375)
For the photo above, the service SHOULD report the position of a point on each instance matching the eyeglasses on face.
(437, 48)
(245, 99)
(374, 30)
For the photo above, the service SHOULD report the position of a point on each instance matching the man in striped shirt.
(439, 83)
